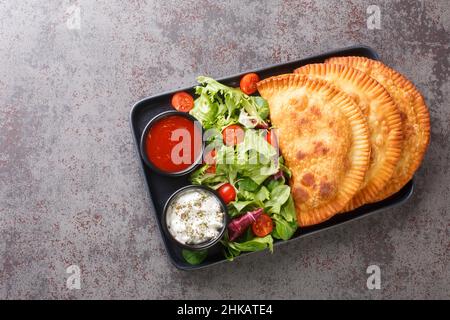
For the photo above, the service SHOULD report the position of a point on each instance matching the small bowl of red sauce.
(172, 143)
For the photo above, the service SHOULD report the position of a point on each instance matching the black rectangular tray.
(161, 187)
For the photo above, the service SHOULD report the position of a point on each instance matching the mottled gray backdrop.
(71, 191)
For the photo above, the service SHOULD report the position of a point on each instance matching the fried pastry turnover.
(324, 138)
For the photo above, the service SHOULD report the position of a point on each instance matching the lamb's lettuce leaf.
(194, 257)
(283, 230)
(233, 249)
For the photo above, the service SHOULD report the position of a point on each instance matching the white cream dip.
(194, 216)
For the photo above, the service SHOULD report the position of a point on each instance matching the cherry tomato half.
(211, 169)
(272, 138)
(183, 101)
(227, 193)
(210, 157)
(233, 135)
(262, 226)
(248, 83)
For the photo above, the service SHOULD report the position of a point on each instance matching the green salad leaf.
(263, 194)
(194, 257)
(240, 205)
(213, 180)
(285, 221)
(233, 249)
(205, 111)
(288, 210)
(247, 184)
(278, 196)
(283, 167)
(255, 142)
(283, 230)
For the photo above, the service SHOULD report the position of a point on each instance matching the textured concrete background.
(71, 191)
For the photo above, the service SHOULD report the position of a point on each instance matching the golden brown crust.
(323, 136)
(383, 119)
(415, 118)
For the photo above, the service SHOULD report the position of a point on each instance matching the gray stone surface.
(71, 191)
